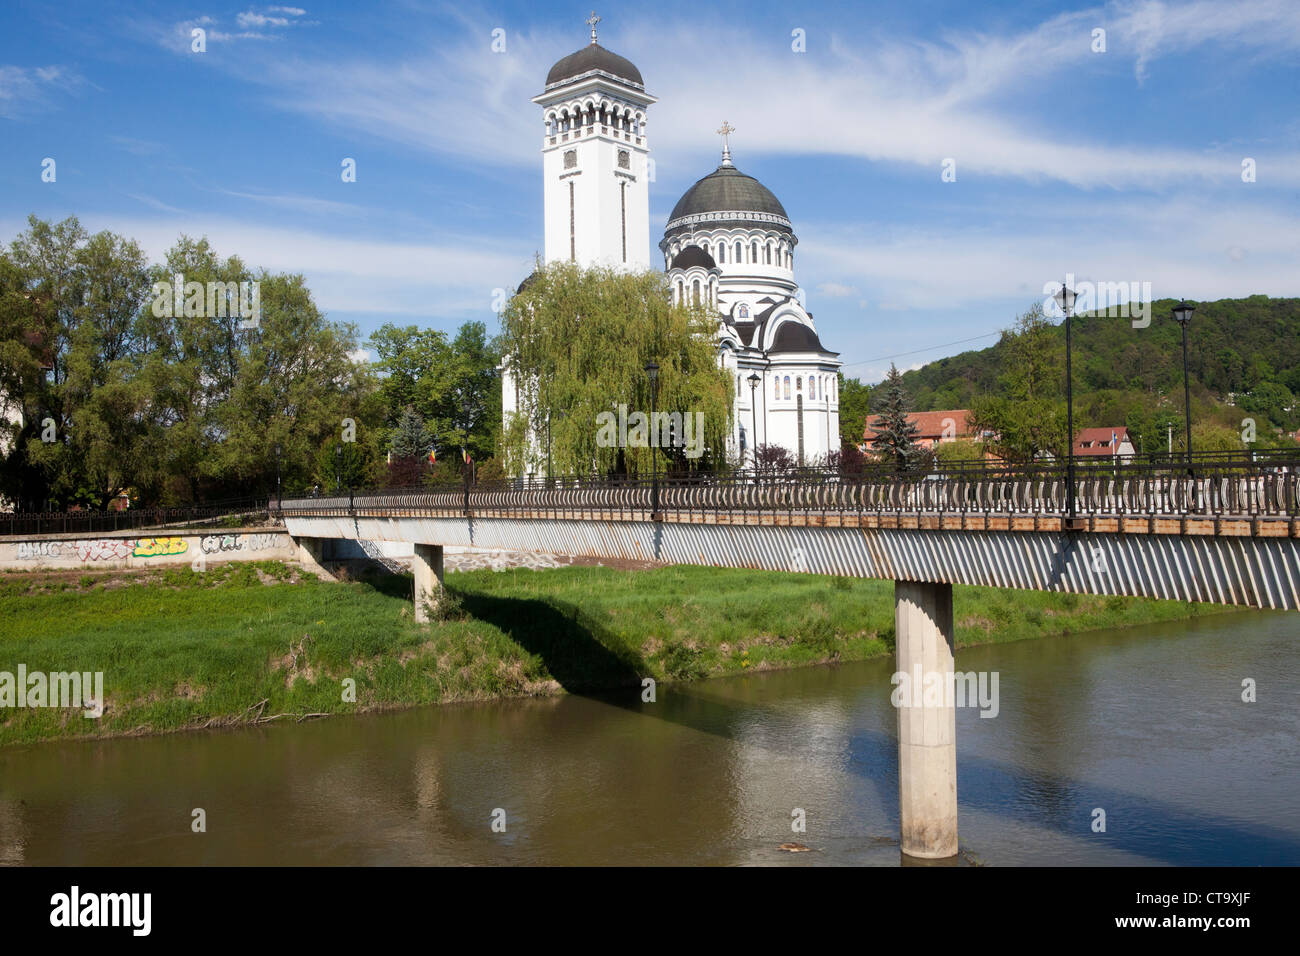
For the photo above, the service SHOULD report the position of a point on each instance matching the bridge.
(1221, 529)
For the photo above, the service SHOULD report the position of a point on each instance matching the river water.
(1146, 724)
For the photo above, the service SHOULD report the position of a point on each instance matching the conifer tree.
(410, 439)
(894, 433)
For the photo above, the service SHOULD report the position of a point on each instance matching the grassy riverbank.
(245, 643)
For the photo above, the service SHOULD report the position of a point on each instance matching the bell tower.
(595, 159)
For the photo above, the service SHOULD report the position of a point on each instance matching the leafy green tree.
(893, 433)
(1026, 413)
(339, 464)
(855, 404)
(81, 298)
(958, 452)
(454, 386)
(577, 341)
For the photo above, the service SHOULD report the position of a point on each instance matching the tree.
(773, 460)
(576, 342)
(410, 439)
(170, 401)
(454, 386)
(855, 403)
(894, 434)
(1026, 413)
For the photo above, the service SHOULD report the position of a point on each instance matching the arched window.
(776, 382)
(722, 252)
(737, 386)
(787, 387)
(753, 252)
(738, 253)
(812, 387)
(681, 292)
(695, 291)
(767, 254)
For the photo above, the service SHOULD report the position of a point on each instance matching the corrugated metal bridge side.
(1255, 571)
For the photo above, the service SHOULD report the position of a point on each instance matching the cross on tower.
(591, 22)
(725, 130)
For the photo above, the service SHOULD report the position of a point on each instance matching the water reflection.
(1148, 726)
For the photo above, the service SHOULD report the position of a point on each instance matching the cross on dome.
(591, 21)
(725, 130)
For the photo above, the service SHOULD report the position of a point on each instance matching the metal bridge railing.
(1211, 486)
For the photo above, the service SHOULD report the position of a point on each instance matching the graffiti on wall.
(106, 549)
(35, 550)
(217, 543)
(117, 549)
(156, 547)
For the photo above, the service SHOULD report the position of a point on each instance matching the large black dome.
(591, 58)
(727, 189)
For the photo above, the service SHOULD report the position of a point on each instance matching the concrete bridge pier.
(427, 565)
(311, 553)
(927, 735)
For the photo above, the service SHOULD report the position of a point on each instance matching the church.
(728, 244)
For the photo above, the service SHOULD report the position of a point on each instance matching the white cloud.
(27, 90)
(448, 280)
(882, 98)
(1184, 248)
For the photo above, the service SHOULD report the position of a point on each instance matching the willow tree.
(576, 343)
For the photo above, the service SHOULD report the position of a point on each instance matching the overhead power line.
(929, 348)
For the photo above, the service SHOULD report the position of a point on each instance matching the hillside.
(1243, 354)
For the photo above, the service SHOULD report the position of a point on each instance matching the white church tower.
(595, 160)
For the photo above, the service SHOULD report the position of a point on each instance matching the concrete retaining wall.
(135, 549)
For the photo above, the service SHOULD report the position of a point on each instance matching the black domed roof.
(796, 337)
(594, 57)
(727, 189)
(529, 280)
(693, 256)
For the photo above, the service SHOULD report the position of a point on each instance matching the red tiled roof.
(930, 425)
(1097, 441)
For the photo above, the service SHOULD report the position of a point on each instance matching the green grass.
(241, 642)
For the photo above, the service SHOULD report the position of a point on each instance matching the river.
(1146, 724)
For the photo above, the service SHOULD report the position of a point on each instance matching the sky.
(1162, 150)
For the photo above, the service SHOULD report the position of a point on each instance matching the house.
(1108, 442)
(932, 428)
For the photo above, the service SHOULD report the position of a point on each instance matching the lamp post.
(652, 370)
(753, 416)
(338, 467)
(1065, 298)
(277, 476)
(1183, 315)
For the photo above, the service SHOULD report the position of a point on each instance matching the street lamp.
(652, 370)
(338, 467)
(1183, 315)
(753, 416)
(277, 476)
(1065, 298)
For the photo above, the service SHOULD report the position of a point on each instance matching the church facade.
(728, 244)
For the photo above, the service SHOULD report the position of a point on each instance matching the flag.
(466, 454)
(433, 458)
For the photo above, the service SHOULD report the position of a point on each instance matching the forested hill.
(1240, 351)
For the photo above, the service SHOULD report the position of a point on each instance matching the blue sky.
(1122, 165)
